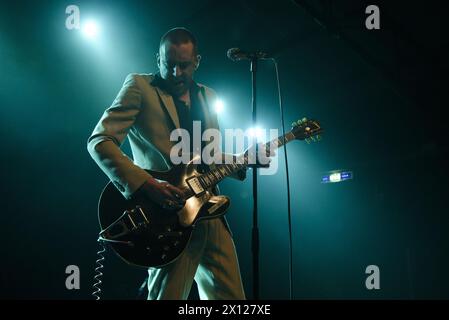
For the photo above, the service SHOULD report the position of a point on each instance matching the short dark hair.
(179, 35)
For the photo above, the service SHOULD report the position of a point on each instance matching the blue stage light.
(337, 176)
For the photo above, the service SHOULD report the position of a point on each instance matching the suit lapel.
(169, 104)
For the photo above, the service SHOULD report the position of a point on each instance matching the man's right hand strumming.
(163, 193)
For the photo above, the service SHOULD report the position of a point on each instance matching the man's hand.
(263, 156)
(163, 193)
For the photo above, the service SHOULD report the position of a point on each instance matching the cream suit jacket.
(147, 115)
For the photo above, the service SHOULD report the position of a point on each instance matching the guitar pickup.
(196, 186)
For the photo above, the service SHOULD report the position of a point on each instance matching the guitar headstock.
(308, 130)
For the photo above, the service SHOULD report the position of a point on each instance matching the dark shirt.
(186, 114)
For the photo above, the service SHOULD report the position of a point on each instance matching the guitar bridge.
(217, 202)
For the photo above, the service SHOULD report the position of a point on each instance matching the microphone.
(236, 54)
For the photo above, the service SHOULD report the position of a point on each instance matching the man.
(147, 109)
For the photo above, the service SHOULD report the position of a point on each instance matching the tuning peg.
(307, 140)
(304, 119)
(312, 138)
(294, 124)
(318, 137)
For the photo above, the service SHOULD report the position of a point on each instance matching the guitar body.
(143, 233)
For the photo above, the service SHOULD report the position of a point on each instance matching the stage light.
(336, 176)
(90, 29)
(219, 106)
(256, 132)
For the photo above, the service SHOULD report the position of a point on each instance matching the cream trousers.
(210, 259)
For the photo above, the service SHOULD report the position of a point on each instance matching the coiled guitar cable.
(98, 274)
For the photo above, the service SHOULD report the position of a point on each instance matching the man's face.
(177, 64)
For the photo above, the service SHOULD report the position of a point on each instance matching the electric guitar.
(145, 234)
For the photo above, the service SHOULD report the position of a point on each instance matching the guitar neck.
(221, 171)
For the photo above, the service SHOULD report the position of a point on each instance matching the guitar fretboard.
(221, 171)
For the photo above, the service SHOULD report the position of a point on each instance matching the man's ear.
(158, 60)
(198, 59)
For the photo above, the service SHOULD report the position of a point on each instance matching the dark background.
(379, 94)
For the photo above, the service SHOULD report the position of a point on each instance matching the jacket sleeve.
(110, 132)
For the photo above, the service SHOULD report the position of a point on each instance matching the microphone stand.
(255, 229)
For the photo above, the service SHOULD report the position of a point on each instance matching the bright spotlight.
(90, 29)
(256, 132)
(335, 177)
(219, 106)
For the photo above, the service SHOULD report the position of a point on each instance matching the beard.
(180, 87)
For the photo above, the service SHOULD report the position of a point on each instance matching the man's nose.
(177, 71)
